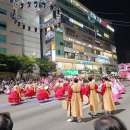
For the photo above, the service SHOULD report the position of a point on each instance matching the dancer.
(108, 103)
(14, 97)
(43, 93)
(91, 92)
(59, 89)
(30, 90)
(122, 88)
(115, 92)
(75, 106)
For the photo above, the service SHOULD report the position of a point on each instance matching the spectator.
(108, 122)
(6, 122)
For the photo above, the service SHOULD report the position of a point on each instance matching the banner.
(71, 72)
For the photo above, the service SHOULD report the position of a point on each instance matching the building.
(82, 39)
(79, 40)
(19, 35)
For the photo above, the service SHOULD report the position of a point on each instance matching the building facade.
(80, 40)
(19, 36)
(83, 40)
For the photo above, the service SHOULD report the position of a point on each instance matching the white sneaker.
(69, 120)
(79, 120)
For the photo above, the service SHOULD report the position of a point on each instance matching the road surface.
(32, 115)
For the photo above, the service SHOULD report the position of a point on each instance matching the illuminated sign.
(71, 72)
(79, 5)
(53, 55)
(91, 15)
(91, 19)
(110, 28)
(98, 19)
(104, 24)
(100, 35)
(103, 57)
(106, 35)
(53, 46)
(75, 22)
(86, 62)
(78, 47)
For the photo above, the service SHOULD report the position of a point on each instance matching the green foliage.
(9, 63)
(25, 64)
(45, 66)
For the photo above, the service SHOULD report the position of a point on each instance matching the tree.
(45, 66)
(9, 63)
(27, 64)
(13, 64)
(87, 69)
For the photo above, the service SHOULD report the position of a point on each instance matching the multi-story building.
(19, 36)
(83, 40)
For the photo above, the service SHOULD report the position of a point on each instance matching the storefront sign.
(75, 22)
(106, 35)
(110, 28)
(71, 72)
(86, 62)
(79, 5)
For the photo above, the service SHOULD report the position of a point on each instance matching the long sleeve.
(88, 90)
(103, 89)
(82, 92)
(70, 93)
(96, 88)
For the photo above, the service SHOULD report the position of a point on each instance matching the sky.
(115, 11)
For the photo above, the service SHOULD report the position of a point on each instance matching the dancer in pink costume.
(43, 93)
(59, 89)
(115, 92)
(123, 90)
(119, 87)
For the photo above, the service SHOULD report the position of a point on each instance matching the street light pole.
(42, 37)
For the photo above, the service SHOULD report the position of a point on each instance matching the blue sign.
(86, 62)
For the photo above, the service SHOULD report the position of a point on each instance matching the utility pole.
(42, 38)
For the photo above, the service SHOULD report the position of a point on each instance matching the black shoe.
(90, 114)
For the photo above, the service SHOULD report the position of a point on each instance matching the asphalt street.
(32, 115)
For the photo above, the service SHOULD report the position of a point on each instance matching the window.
(61, 43)
(3, 25)
(70, 32)
(59, 52)
(68, 44)
(92, 50)
(3, 38)
(97, 52)
(3, 11)
(2, 50)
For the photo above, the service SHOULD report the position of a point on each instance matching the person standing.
(91, 92)
(108, 103)
(75, 98)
